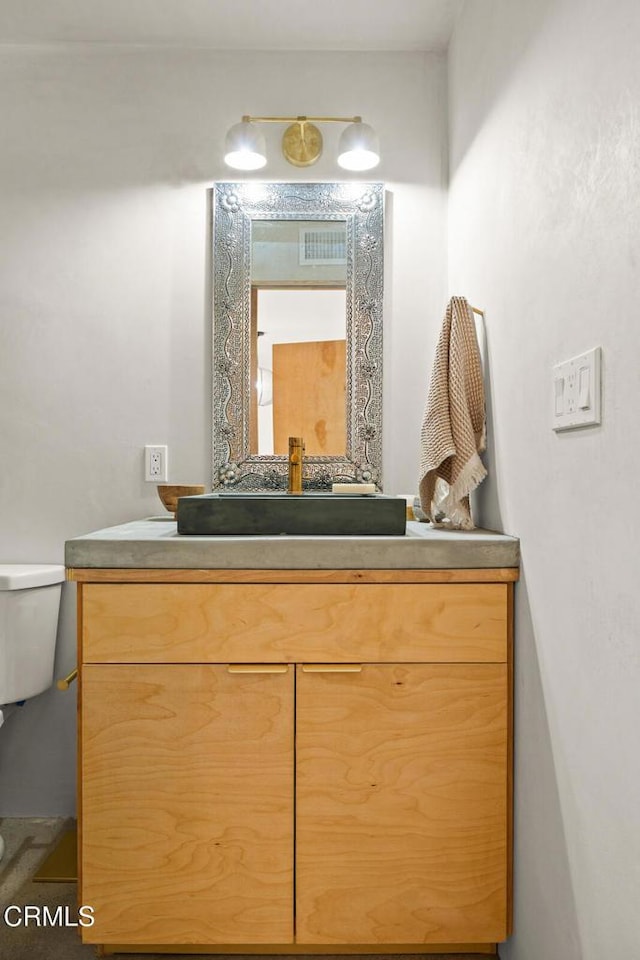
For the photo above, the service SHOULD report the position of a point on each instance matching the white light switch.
(576, 391)
(559, 392)
(584, 378)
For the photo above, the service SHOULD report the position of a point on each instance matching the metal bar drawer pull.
(258, 668)
(66, 682)
(331, 667)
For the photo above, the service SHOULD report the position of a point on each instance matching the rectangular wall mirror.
(297, 332)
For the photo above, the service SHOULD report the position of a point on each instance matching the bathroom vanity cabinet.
(295, 760)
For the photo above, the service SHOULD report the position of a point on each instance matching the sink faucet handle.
(296, 451)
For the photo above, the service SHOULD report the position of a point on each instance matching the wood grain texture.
(309, 396)
(401, 804)
(187, 805)
(510, 668)
(181, 575)
(79, 702)
(294, 622)
(462, 951)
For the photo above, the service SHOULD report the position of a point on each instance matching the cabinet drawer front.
(338, 622)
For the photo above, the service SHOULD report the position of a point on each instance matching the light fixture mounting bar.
(247, 119)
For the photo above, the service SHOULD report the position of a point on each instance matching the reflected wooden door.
(309, 396)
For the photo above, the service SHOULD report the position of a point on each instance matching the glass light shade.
(358, 148)
(245, 147)
(264, 387)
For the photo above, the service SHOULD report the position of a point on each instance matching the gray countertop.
(154, 543)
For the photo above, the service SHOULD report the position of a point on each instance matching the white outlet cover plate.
(576, 396)
(156, 457)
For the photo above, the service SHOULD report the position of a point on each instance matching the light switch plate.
(576, 391)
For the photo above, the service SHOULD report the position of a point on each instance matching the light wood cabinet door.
(401, 804)
(187, 804)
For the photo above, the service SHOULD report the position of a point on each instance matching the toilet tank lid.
(18, 576)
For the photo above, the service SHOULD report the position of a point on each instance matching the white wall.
(107, 158)
(545, 235)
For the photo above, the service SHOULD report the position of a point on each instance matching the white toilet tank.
(29, 606)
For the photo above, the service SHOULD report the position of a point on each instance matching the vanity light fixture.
(358, 148)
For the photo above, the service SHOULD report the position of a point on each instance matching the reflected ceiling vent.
(322, 245)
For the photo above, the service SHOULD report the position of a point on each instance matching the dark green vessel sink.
(307, 514)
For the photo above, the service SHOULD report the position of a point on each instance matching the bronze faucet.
(296, 452)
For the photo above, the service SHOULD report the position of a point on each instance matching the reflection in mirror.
(298, 336)
(299, 371)
(297, 332)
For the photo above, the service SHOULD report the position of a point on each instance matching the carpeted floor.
(28, 842)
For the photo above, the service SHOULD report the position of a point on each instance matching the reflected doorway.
(298, 368)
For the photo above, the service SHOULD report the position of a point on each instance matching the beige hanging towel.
(453, 429)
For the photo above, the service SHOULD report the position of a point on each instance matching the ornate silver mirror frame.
(235, 206)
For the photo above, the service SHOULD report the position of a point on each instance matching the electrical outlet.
(156, 464)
